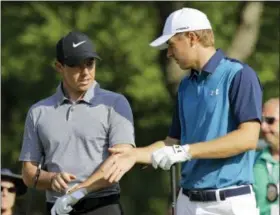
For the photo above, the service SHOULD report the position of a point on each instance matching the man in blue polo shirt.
(215, 126)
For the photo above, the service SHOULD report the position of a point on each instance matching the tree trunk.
(246, 36)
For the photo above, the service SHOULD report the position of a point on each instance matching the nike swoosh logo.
(77, 44)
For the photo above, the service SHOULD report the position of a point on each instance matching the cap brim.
(17, 180)
(160, 42)
(77, 60)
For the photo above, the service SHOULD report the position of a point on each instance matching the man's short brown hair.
(206, 37)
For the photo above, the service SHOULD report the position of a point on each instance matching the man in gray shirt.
(72, 130)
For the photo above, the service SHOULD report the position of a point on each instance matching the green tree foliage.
(122, 32)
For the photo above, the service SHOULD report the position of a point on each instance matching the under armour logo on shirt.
(214, 92)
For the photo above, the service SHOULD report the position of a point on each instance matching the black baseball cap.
(8, 175)
(74, 48)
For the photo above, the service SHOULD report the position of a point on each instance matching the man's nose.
(4, 192)
(264, 126)
(84, 70)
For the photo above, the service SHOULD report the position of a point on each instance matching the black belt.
(88, 204)
(210, 195)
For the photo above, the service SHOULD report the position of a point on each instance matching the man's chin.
(84, 87)
(4, 206)
(269, 138)
(184, 67)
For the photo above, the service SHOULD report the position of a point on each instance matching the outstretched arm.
(96, 181)
(143, 154)
(125, 158)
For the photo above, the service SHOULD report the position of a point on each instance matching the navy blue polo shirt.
(211, 104)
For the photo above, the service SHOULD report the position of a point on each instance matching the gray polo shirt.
(74, 137)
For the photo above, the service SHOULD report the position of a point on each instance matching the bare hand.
(60, 180)
(120, 162)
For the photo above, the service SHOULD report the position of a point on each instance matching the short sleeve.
(121, 123)
(175, 128)
(246, 96)
(32, 149)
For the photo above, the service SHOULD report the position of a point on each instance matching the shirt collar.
(211, 64)
(61, 96)
(266, 155)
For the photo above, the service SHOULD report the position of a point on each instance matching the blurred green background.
(122, 31)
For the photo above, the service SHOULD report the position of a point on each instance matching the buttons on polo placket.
(200, 85)
(70, 112)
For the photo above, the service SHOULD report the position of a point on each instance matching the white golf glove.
(63, 205)
(168, 155)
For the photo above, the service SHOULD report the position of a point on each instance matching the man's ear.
(58, 67)
(194, 39)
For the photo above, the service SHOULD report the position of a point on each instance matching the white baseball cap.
(185, 19)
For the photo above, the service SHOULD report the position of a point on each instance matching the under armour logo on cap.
(183, 28)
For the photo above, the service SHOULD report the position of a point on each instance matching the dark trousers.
(108, 205)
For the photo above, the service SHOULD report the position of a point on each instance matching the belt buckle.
(200, 194)
(222, 195)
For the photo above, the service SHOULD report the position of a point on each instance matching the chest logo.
(214, 92)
